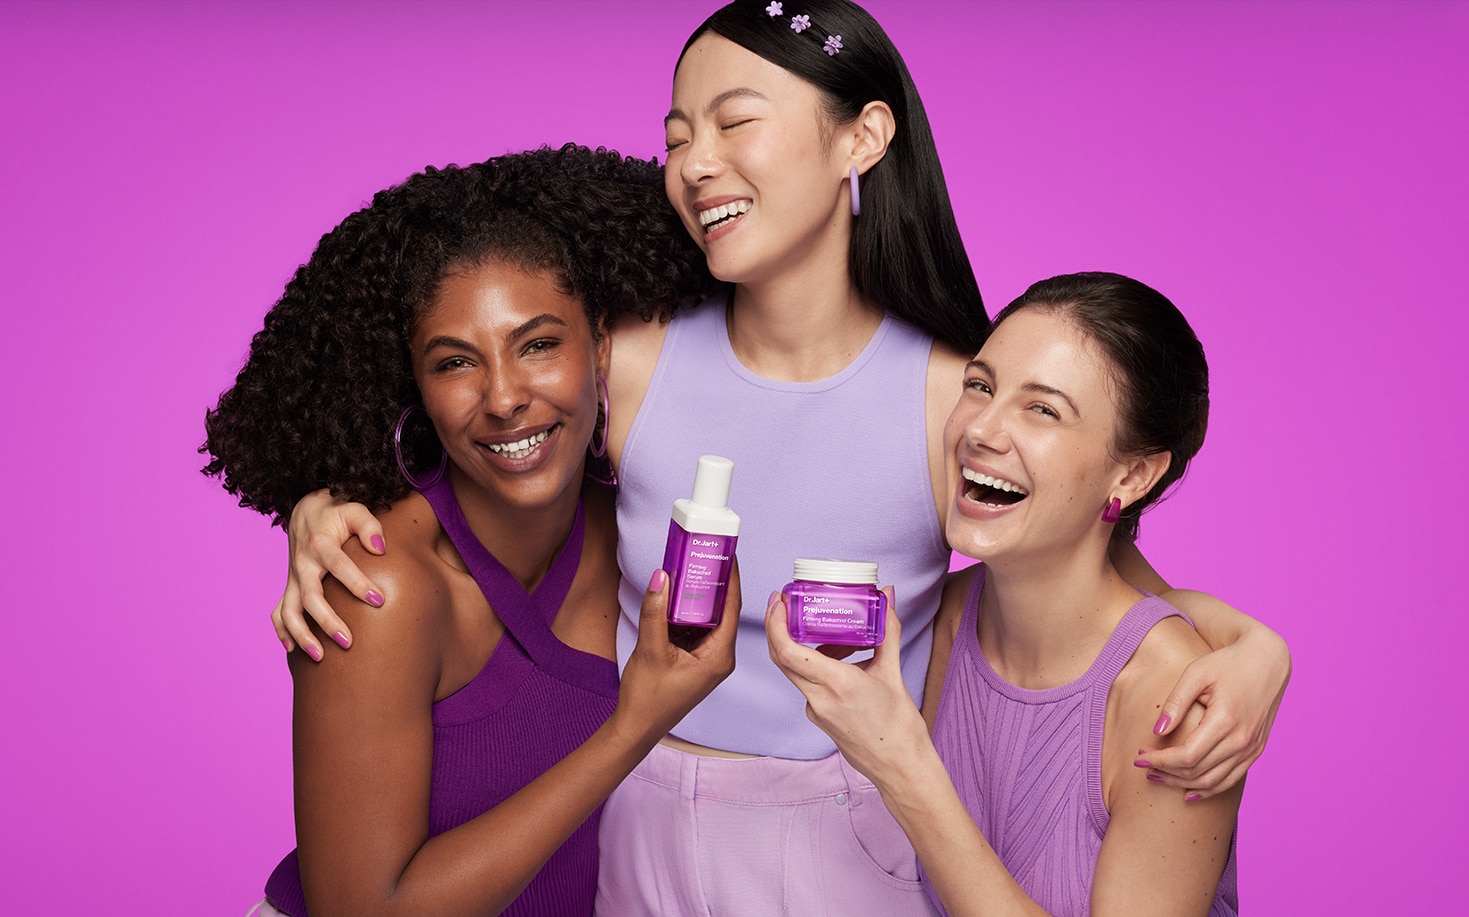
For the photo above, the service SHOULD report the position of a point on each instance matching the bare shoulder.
(412, 576)
(945, 632)
(945, 377)
(1144, 683)
(636, 343)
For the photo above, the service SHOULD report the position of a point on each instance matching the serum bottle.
(836, 601)
(701, 546)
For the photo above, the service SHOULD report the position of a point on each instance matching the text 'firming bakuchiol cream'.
(701, 546)
(836, 601)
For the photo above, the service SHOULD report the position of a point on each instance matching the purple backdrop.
(1292, 174)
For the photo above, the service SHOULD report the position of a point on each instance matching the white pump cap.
(711, 482)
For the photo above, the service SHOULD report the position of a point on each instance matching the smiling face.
(1030, 442)
(507, 365)
(750, 172)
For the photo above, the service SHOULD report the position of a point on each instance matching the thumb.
(886, 655)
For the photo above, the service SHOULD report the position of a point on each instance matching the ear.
(868, 136)
(1139, 475)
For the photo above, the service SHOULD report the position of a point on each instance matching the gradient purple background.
(1292, 174)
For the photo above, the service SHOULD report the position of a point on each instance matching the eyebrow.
(1036, 387)
(743, 92)
(519, 331)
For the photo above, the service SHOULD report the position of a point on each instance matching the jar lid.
(835, 571)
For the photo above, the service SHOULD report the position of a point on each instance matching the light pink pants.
(690, 835)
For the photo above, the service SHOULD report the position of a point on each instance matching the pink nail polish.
(1162, 724)
(341, 639)
(659, 580)
(285, 644)
(313, 652)
(1155, 778)
(374, 598)
(377, 543)
(1141, 763)
(1193, 797)
(775, 594)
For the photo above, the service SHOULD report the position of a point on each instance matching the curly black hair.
(327, 377)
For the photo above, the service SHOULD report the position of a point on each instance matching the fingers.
(1189, 689)
(885, 656)
(361, 522)
(720, 642)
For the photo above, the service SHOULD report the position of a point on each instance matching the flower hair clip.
(800, 22)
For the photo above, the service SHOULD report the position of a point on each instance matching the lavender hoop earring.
(1113, 512)
(413, 482)
(856, 195)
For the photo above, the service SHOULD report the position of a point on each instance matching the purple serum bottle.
(701, 546)
(836, 601)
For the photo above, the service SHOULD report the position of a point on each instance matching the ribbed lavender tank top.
(1028, 763)
(830, 469)
(535, 700)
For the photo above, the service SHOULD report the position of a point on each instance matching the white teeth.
(520, 448)
(996, 483)
(723, 210)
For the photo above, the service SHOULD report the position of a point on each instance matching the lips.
(518, 449)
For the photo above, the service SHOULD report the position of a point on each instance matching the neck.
(1042, 621)
(524, 540)
(804, 323)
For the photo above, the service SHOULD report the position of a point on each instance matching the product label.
(698, 568)
(820, 613)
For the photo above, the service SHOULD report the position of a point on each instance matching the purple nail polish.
(1155, 778)
(1193, 797)
(341, 639)
(377, 543)
(374, 598)
(1141, 763)
(1162, 724)
(313, 652)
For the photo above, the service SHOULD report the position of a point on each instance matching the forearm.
(1222, 625)
(964, 869)
(481, 866)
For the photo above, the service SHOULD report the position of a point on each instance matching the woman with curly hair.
(452, 337)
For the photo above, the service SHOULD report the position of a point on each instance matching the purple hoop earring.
(1113, 512)
(856, 196)
(599, 451)
(599, 467)
(415, 483)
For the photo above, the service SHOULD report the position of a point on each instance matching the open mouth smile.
(521, 447)
(716, 218)
(991, 491)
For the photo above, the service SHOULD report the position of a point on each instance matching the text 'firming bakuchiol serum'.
(701, 546)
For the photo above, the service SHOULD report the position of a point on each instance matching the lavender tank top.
(533, 703)
(1028, 763)
(836, 469)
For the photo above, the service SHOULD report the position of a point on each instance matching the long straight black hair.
(906, 254)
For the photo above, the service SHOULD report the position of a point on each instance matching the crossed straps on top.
(527, 616)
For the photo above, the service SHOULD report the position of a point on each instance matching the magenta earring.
(856, 195)
(1113, 512)
(413, 482)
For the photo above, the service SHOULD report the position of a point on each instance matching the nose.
(506, 391)
(986, 428)
(701, 160)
